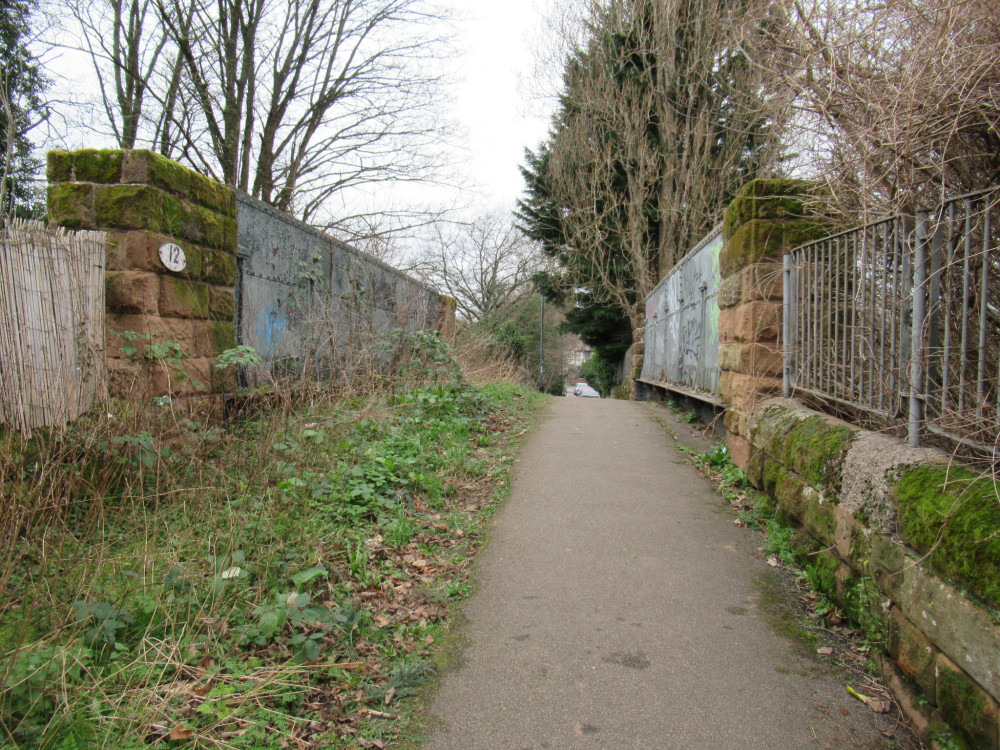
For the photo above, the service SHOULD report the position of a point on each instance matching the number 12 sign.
(172, 256)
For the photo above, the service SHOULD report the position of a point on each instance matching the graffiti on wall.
(305, 298)
(682, 321)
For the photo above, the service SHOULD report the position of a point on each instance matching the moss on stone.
(194, 269)
(789, 493)
(100, 166)
(813, 446)
(186, 183)
(87, 165)
(217, 230)
(745, 208)
(223, 336)
(759, 239)
(819, 516)
(761, 188)
(964, 706)
(140, 207)
(219, 268)
(150, 208)
(71, 205)
(59, 166)
(222, 303)
(952, 515)
(184, 299)
(766, 199)
(860, 546)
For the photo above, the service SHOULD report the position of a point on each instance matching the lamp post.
(541, 346)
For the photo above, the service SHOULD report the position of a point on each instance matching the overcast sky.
(493, 103)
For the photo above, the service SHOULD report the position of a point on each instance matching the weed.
(401, 530)
(778, 542)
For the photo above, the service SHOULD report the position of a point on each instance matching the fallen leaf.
(825, 651)
(203, 690)
(390, 695)
(181, 732)
(773, 561)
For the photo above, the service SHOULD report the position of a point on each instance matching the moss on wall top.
(766, 199)
(86, 165)
(141, 167)
(953, 515)
(810, 444)
(154, 169)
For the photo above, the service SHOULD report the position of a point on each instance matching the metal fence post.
(916, 329)
(786, 326)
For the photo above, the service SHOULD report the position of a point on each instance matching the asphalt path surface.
(618, 606)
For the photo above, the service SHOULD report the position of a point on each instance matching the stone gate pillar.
(767, 218)
(171, 264)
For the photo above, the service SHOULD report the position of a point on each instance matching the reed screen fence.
(52, 301)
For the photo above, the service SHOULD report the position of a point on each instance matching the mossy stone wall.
(767, 218)
(144, 200)
(934, 570)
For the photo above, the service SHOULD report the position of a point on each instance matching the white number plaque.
(172, 256)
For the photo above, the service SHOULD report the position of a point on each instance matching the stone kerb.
(143, 201)
(767, 218)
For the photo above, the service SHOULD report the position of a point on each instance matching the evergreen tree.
(660, 122)
(22, 83)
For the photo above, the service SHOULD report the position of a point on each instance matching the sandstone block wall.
(905, 541)
(144, 200)
(767, 218)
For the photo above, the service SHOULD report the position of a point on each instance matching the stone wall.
(143, 201)
(903, 539)
(765, 219)
(165, 327)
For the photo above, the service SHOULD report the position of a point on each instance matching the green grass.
(290, 575)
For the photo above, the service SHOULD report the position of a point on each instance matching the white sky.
(492, 104)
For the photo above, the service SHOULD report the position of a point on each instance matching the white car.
(588, 392)
(580, 386)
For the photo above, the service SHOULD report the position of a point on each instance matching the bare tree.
(289, 101)
(896, 104)
(661, 123)
(486, 265)
(126, 46)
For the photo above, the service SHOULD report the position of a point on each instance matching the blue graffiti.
(272, 325)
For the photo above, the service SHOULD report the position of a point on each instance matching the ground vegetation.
(283, 578)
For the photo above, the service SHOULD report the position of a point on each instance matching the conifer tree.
(22, 108)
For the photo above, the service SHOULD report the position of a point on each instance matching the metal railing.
(901, 318)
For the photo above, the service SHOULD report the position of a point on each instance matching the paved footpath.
(618, 606)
